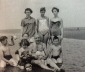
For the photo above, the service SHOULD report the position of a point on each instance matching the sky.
(12, 11)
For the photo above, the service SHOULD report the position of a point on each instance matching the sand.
(73, 54)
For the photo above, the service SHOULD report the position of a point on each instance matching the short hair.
(55, 37)
(24, 42)
(55, 9)
(28, 9)
(42, 9)
(2, 38)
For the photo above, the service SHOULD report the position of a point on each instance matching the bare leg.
(38, 62)
(52, 64)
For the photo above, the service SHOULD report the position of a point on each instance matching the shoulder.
(33, 19)
(46, 18)
(60, 19)
(51, 19)
(1, 48)
(39, 18)
(21, 49)
(23, 19)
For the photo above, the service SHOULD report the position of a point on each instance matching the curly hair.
(28, 9)
(55, 9)
(2, 38)
(24, 42)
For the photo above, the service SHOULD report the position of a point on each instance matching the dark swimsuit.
(23, 62)
(57, 23)
(55, 57)
(55, 30)
(8, 57)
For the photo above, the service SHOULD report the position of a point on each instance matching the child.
(24, 55)
(5, 55)
(55, 52)
(43, 25)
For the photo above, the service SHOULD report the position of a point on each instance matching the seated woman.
(24, 57)
(40, 54)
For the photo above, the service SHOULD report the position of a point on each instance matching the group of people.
(40, 43)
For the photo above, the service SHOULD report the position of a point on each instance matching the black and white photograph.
(42, 36)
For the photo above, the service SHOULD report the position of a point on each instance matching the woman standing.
(56, 25)
(43, 25)
(28, 23)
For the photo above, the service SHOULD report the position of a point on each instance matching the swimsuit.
(43, 25)
(55, 57)
(55, 30)
(8, 57)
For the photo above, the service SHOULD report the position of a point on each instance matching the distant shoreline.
(71, 33)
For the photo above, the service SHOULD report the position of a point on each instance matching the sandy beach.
(74, 55)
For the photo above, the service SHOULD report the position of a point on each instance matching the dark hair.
(55, 37)
(2, 38)
(24, 42)
(28, 9)
(42, 9)
(55, 9)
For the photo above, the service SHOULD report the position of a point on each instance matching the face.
(25, 36)
(25, 47)
(42, 13)
(40, 48)
(55, 12)
(55, 42)
(28, 13)
(37, 39)
(5, 42)
(28, 67)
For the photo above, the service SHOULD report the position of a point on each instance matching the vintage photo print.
(42, 36)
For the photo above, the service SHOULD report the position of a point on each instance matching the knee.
(2, 64)
(59, 60)
(36, 62)
(49, 60)
(15, 64)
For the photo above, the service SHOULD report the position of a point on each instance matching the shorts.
(8, 57)
(55, 57)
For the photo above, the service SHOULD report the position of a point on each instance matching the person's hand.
(11, 63)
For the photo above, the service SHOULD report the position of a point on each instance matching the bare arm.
(12, 41)
(2, 56)
(37, 25)
(48, 22)
(61, 28)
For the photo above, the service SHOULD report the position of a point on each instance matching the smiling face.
(42, 13)
(37, 39)
(55, 41)
(28, 13)
(4, 42)
(25, 36)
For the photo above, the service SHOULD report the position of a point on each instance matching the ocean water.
(74, 33)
